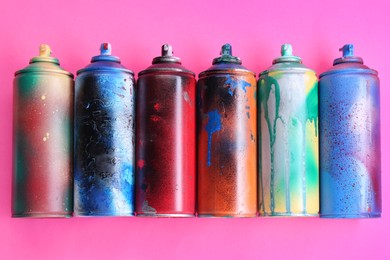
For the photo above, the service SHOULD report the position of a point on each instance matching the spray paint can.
(350, 162)
(288, 150)
(43, 139)
(226, 136)
(104, 138)
(166, 138)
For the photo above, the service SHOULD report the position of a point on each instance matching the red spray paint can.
(165, 153)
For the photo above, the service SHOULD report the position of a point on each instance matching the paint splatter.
(141, 164)
(119, 95)
(156, 106)
(46, 137)
(214, 124)
(144, 187)
(154, 118)
(236, 83)
(147, 209)
(187, 97)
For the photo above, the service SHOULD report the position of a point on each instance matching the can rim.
(349, 70)
(88, 69)
(306, 69)
(224, 71)
(162, 70)
(40, 70)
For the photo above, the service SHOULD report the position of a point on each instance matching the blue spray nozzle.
(347, 50)
(348, 56)
(105, 49)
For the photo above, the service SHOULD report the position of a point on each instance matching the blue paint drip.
(214, 124)
(236, 83)
(127, 185)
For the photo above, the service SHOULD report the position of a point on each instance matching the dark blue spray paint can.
(104, 138)
(350, 152)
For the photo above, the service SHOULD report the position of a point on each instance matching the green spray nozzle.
(287, 55)
(226, 55)
(226, 50)
(286, 50)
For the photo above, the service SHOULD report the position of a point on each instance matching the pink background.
(136, 30)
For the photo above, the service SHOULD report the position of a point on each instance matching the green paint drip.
(259, 139)
(265, 91)
(294, 148)
(312, 106)
(312, 117)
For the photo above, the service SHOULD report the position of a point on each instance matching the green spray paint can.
(288, 146)
(43, 139)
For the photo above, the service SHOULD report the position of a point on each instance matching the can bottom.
(303, 215)
(42, 215)
(226, 215)
(356, 215)
(103, 214)
(169, 215)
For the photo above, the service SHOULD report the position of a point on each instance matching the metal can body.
(226, 136)
(165, 139)
(350, 162)
(43, 139)
(288, 147)
(104, 138)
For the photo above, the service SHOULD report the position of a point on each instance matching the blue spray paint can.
(226, 138)
(104, 138)
(350, 158)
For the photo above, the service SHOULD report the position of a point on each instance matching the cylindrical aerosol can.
(166, 138)
(288, 147)
(104, 138)
(350, 161)
(43, 139)
(226, 136)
